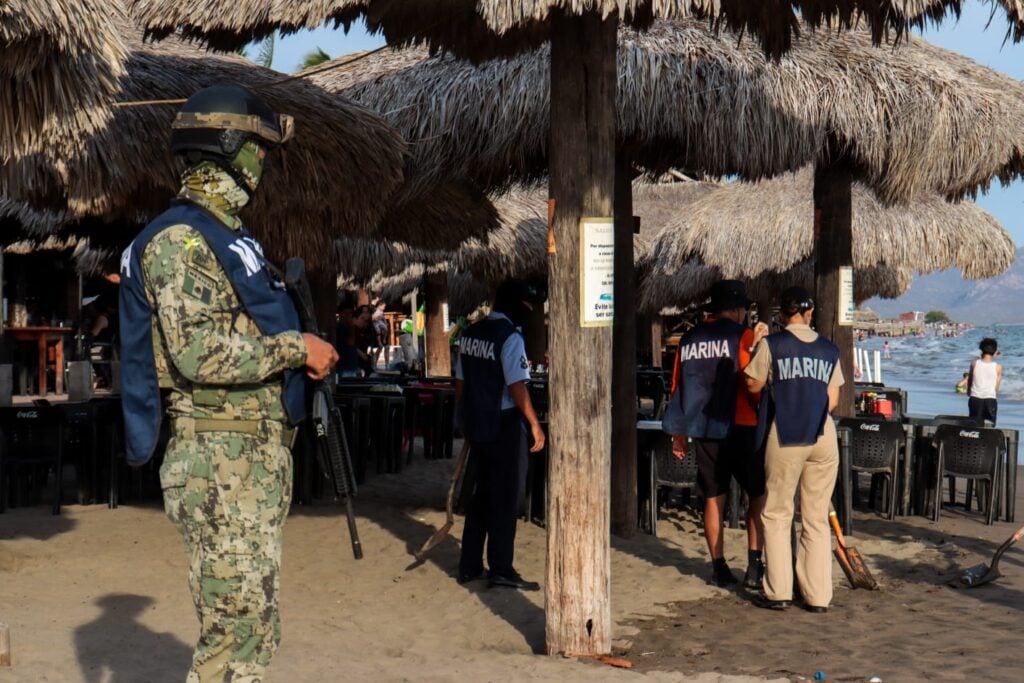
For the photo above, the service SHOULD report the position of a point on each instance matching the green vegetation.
(314, 58)
(936, 317)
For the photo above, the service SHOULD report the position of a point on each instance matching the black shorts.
(718, 460)
(983, 408)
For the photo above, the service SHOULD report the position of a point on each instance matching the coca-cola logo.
(970, 435)
(871, 427)
(30, 414)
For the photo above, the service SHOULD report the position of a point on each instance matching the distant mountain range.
(982, 302)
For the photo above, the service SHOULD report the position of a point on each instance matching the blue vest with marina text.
(704, 405)
(483, 377)
(264, 299)
(797, 395)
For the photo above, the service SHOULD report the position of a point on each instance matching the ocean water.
(928, 368)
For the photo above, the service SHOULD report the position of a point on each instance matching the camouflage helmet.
(215, 122)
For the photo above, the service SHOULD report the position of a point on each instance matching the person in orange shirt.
(712, 408)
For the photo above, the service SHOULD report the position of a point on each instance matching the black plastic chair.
(31, 444)
(651, 386)
(875, 447)
(970, 453)
(668, 471)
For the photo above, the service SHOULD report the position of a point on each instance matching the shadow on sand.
(117, 647)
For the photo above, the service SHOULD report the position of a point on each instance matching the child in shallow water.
(983, 381)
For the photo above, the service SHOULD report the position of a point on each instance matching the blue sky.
(971, 36)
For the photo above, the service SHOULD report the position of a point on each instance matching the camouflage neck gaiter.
(215, 189)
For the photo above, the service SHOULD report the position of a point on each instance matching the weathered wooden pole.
(435, 334)
(623, 503)
(582, 168)
(656, 341)
(535, 334)
(323, 286)
(5, 645)
(833, 215)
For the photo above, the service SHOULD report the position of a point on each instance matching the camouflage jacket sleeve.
(207, 337)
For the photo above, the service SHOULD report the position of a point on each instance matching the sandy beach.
(100, 595)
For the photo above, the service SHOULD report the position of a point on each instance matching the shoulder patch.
(198, 285)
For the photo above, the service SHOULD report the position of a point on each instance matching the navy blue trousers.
(494, 502)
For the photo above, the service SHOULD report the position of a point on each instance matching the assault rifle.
(331, 445)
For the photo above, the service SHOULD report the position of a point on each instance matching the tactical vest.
(704, 405)
(264, 300)
(797, 396)
(483, 377)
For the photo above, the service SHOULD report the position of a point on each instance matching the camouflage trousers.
(228, 494)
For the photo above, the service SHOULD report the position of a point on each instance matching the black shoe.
(470, 577)
(816, 610)
(755, 576)
(764, 603)
(512, 581)
(722, 576)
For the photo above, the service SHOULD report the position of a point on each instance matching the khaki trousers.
(812, 469)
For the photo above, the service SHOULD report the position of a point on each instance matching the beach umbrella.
(911, 119)
(582, 184)
(518, 247)
(333, 178)
(60, 63)
(488, 28)
(730, 225)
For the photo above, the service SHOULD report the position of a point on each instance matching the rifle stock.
(331, 444)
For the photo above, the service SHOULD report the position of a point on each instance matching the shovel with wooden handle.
(850, 560)
(440, 534)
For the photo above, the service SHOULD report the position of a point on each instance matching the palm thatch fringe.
(488, 28)
(59, 65)
(914, 119)
(332, 179)
(518, 247)
(727, 227)
(691, 284)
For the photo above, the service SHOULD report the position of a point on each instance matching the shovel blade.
(978, 575)
(859, 574)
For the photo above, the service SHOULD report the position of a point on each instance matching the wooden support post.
(624, 505)
(324, 288)
(438, 356)
(582, 171)
(535, 334)
(833, 183)
(656, 341)
(5, 645)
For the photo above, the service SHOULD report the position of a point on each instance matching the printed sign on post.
(846, 304)
(597, 271)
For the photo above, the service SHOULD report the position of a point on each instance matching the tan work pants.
(813, 469)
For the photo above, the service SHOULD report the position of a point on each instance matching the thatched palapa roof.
(764, 232)
(914, 119)
(60, 63)
(332, 179)
(729, 226)
(488, 28)
(518, 248)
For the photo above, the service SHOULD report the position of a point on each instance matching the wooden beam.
(324, 288)
(438, 356)
(623, 502)
(657, 344)
(582, 172)
(535, 334)
(833, 208)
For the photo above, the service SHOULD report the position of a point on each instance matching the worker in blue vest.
(702, 415)
(801, 372)
(498, 419)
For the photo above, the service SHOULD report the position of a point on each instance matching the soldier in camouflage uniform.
(227, 471)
